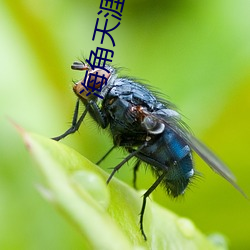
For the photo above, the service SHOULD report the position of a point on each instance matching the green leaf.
(106, 215)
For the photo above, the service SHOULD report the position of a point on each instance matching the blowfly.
(148, 127)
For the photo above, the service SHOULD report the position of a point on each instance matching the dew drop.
(187, 227)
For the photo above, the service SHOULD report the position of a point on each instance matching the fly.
(149, 128)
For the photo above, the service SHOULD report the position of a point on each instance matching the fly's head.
(94, 82)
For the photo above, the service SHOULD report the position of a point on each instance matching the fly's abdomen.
(180, 166)
(178, 176)
(170, 155)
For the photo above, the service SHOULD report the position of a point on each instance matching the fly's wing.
(212, 160)
(175, 124)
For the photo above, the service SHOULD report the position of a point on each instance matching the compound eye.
(153, 126)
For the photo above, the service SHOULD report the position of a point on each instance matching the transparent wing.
(175, 124)
(208, 156)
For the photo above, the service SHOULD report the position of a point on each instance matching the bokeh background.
(195, 52)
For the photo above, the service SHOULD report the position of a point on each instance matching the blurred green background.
(195, 52)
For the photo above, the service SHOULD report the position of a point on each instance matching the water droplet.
(94, 185)
(187, 227)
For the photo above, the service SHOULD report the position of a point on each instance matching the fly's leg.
(135, 169)
(145, 196)
(105, 155)
(75, 124)
(97, 114)
(125, 160)
(93, 109)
